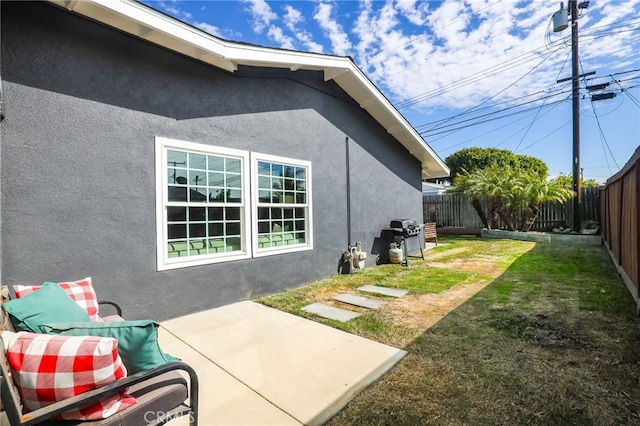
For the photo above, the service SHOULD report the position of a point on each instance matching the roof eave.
(144, 22)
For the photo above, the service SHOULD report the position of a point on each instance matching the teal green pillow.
(47, 305)
(137, 340)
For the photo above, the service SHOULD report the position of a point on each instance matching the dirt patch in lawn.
(485, 265)
(421, 311)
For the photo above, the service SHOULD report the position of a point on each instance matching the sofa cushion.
(80, 291)
(137, 340)
(49, 304)
(47, 369)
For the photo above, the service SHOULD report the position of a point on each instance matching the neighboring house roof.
(146, 23)
(433, 188)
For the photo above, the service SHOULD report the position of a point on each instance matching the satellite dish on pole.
(560, 19)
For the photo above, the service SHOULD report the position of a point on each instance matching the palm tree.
(515, 194)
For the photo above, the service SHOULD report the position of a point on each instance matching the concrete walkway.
(260, 366)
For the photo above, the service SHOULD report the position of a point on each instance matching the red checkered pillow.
(80, 291)
(48, 368)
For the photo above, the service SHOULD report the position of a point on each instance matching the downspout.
(348, 171)
(1, 120)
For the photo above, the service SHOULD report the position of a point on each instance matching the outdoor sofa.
(150, 396)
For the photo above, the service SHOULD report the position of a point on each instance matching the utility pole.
(560, 19)
(575, 72)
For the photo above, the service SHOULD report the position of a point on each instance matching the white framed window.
(202, 204)
(281, 205)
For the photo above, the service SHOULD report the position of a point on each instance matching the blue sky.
(467, 73)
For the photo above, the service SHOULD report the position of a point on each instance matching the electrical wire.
(603, 139)
(481, 75)
(501, 91)
(490, 107)
(541, 106)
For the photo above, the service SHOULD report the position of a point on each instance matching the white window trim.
(162, 145)
(260, 252)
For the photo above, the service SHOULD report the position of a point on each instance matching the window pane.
(233, 213)
(276, 183)
(216, 213)
(216, 163)
(289, 171)
(216, 230)
(176, 158)
(233, 181)
(264, 182)
(216, 179)
(197, 230)
(263, 227)
(175, 214)
(234, 195)
(196, 196)
(264, 168)
(177, 176)
(233, 165)
(177, 231)
(177, 193)
(234, 244)
(276, 170)
(197, 161)
(197, 213)
(233, 228)
(264, 196)
(289, 184)
(301, 173)
(216, 195)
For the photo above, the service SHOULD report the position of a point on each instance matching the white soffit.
(144, 22)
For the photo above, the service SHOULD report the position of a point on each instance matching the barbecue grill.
(407, 234)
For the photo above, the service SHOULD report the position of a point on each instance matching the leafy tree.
(471, 159)
(567, 181)
(516, 194)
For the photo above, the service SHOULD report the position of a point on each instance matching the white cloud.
(262, 14)
(413, 10)
(292, 19)
(339, 39)
(276, 34)
(211, 29)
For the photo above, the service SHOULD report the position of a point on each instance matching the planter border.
(542, 237)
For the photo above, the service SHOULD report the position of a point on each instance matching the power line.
(487, 73)
(603, 139)
(539, 109)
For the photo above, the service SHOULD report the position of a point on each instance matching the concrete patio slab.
(304, 369)
(331, 312)
(363, 302)
(224, 400)
(393, 292)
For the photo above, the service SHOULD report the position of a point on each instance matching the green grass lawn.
(551, 337)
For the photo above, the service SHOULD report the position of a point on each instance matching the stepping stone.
(331, 312)
(393, 292)
(363, 302)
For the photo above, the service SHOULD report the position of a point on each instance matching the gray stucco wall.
(83, 106)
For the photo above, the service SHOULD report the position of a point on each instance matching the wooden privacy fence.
(621, 220)
(456, 211)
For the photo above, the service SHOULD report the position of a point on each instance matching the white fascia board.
(115, 12)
